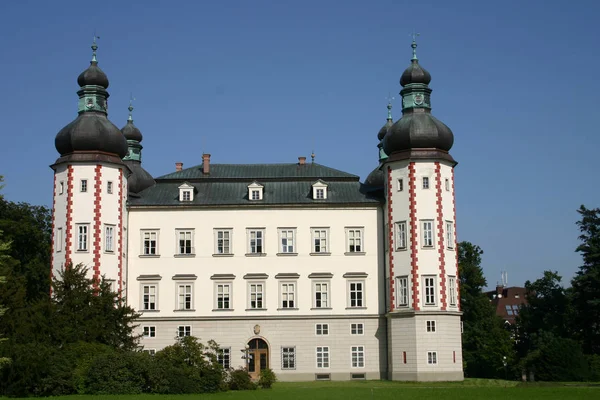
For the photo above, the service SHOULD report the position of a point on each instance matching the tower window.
(82, 237)
(109, 187)
(61, 187)
(447, 183)
(400, 185)
(425, 182)
(84, 185)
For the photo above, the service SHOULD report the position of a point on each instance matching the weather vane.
(94, 47)
(389, 98)
(130, 108)
(414, 44)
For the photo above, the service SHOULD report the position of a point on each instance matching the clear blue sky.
(268, 81)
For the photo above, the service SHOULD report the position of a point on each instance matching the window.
(223, 241)
(287, 240)
(357, 329)
(61, 187)
(356, 290)
(255, 191)
(150, 243)
(288, 358)
(83, 186)
(401, 235)
(319, 190)
(427, 227)
(402, 288)
(323, 357)
(186, 192)
(255, 241)
(319, 193)
(429, 290)
(184, 241)
(109, 187)
(256, 295)
(150, 351)
(255, 194)
(186, 195)
(430, 326)
(358, 356)
(149, 331)
(449, 234)
(452, 290)
(400, 185)
(322, 329)
(447, 184)
(288, 294)
(59, 240)
(224, 357)
(149, 297)
(432, 357)
(223, 296)
(109, 235)
(319, 240)
(354, 240)
(82, 237)
(184, 330)
(184, 297)
(509, 310)
(425, 182)
(321, 294)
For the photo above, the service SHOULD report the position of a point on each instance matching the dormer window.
(186, 192)
(319, 190)
(255, 191)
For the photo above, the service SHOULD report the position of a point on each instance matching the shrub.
(239, 379)
(267, 378)
(119, 372)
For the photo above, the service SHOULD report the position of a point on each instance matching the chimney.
(206, 164)
(301, 160)
(178, 166)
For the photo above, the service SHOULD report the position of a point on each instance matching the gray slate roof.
(227, 185)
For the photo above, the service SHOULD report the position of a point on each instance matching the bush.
(119, 372)
(239, 379)
(557, 359)
(267, 378)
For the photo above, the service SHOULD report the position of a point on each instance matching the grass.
(383, 390)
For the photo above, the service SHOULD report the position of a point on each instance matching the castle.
(297, 267)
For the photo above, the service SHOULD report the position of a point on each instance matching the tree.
(586, 283)
(486, 342)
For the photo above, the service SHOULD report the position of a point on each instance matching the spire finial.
(389, 98)
(130, 108)
(312, 156)
(94, 48)
(414, 45)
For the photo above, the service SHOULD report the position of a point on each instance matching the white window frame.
(432, 358)
(447, 184)
(321, 329)
(356, 293)
(453, 298)
(400, 185)
(319, 190)
(318, 291)
(148, 250)
(186, 192)
(224, 357)
(430, 326)
(183, 250)
(355, 237)
(186, 195)
(83, 186)
(184, 330)
(357, 328)
(109, 238)
(427, 233)
(109, 187)
(319, 193)
(322, 357)
(83, 237)
(185, 296)
(148, 331)
(357, 356)
(450, 235)
(287, 294)
(403, 290)
(256, 232)
(426, 184)
(255, 191)
(288, 357)
(149, 299)
(320, 235)
(59, 239)
(225, 296)
(287, 241)
(223, 244)
(429, 290)
(61, 187)
(257, 295)
(401, 236)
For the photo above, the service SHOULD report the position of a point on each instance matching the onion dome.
(417, 129)
(139, 179)
(376, 179)
(130, 131)
(388, 123)
(91, 131)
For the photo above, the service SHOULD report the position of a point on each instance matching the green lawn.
(367, 390)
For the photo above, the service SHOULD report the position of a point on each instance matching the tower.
(90, 185)
(424, 336)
